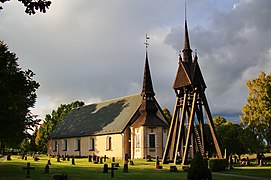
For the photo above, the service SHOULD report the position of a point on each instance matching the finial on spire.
(195, 55)
(187, 56)
(185, 16)
(146, 41)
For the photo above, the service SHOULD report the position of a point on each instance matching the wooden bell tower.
(184, 137)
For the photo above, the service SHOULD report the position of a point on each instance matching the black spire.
(147, 88)
(187, 52)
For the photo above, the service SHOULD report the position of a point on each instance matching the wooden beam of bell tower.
(189, 87)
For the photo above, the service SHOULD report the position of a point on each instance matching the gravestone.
(46, 169)
(125, 167)
(73, 161)
(36, 158)
(157, 164)
(28, 168)
(94, 158)
(68, 157)
(131, 162)
(89, 158)
(105, 170)
(112, 169)
(105, 158)
(58, 158)
(9, 157)
(49, 162)
(173, 169)
(98, 159)
(101, 160)
(149, 158)
(63, 158)
(126, 158)
(25, 158)
(113, 159)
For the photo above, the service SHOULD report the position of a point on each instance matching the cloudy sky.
(93, 50)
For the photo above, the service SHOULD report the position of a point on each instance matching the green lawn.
(11, 170)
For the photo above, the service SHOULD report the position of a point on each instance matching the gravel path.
(242, 176)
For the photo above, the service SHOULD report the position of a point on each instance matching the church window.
(64, 144)
(108, 143)
(151, 140)
(91, 144)
(55, 146)
(77, 144)
(137, 140)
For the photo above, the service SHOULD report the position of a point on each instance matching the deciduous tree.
(219, 120)
(31, 6)
(167, 114)
(17, 96)
(257, 111)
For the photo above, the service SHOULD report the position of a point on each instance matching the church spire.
(187, 52)
(147, 88)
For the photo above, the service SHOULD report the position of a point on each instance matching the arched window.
(55, 146)
(77, 144)
(151, 140)
(64, 144)
(91, 143)
(108, 143)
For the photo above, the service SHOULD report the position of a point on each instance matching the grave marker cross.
(112, 169)
(28, 168)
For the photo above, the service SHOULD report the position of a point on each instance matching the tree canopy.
(18, 95)
(236, 138)
(167, 114)
(257, 110)
(31, 6)
(219, 120)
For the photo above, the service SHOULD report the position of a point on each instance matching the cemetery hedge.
(215, 164)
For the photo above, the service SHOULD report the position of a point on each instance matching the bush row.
(215, 164)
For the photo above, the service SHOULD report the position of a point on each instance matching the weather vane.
(146, 41)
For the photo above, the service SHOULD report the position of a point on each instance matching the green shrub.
(216, 164)
(199, 169)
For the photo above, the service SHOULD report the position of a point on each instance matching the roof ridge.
(111, 100)
(123, 97)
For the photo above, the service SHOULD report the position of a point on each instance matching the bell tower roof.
(187, 52)
(188, 73)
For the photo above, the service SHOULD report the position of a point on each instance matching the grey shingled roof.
(106, 117)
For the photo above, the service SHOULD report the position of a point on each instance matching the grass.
(11, 170)
(252, 171)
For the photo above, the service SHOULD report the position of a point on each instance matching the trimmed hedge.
(199, 169)
(216, 164)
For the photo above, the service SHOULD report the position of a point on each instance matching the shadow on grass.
(10, 170)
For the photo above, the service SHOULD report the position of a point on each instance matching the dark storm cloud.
(233, 47)
(93, 50)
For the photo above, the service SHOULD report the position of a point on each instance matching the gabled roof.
(106, 117)
(183, 76)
